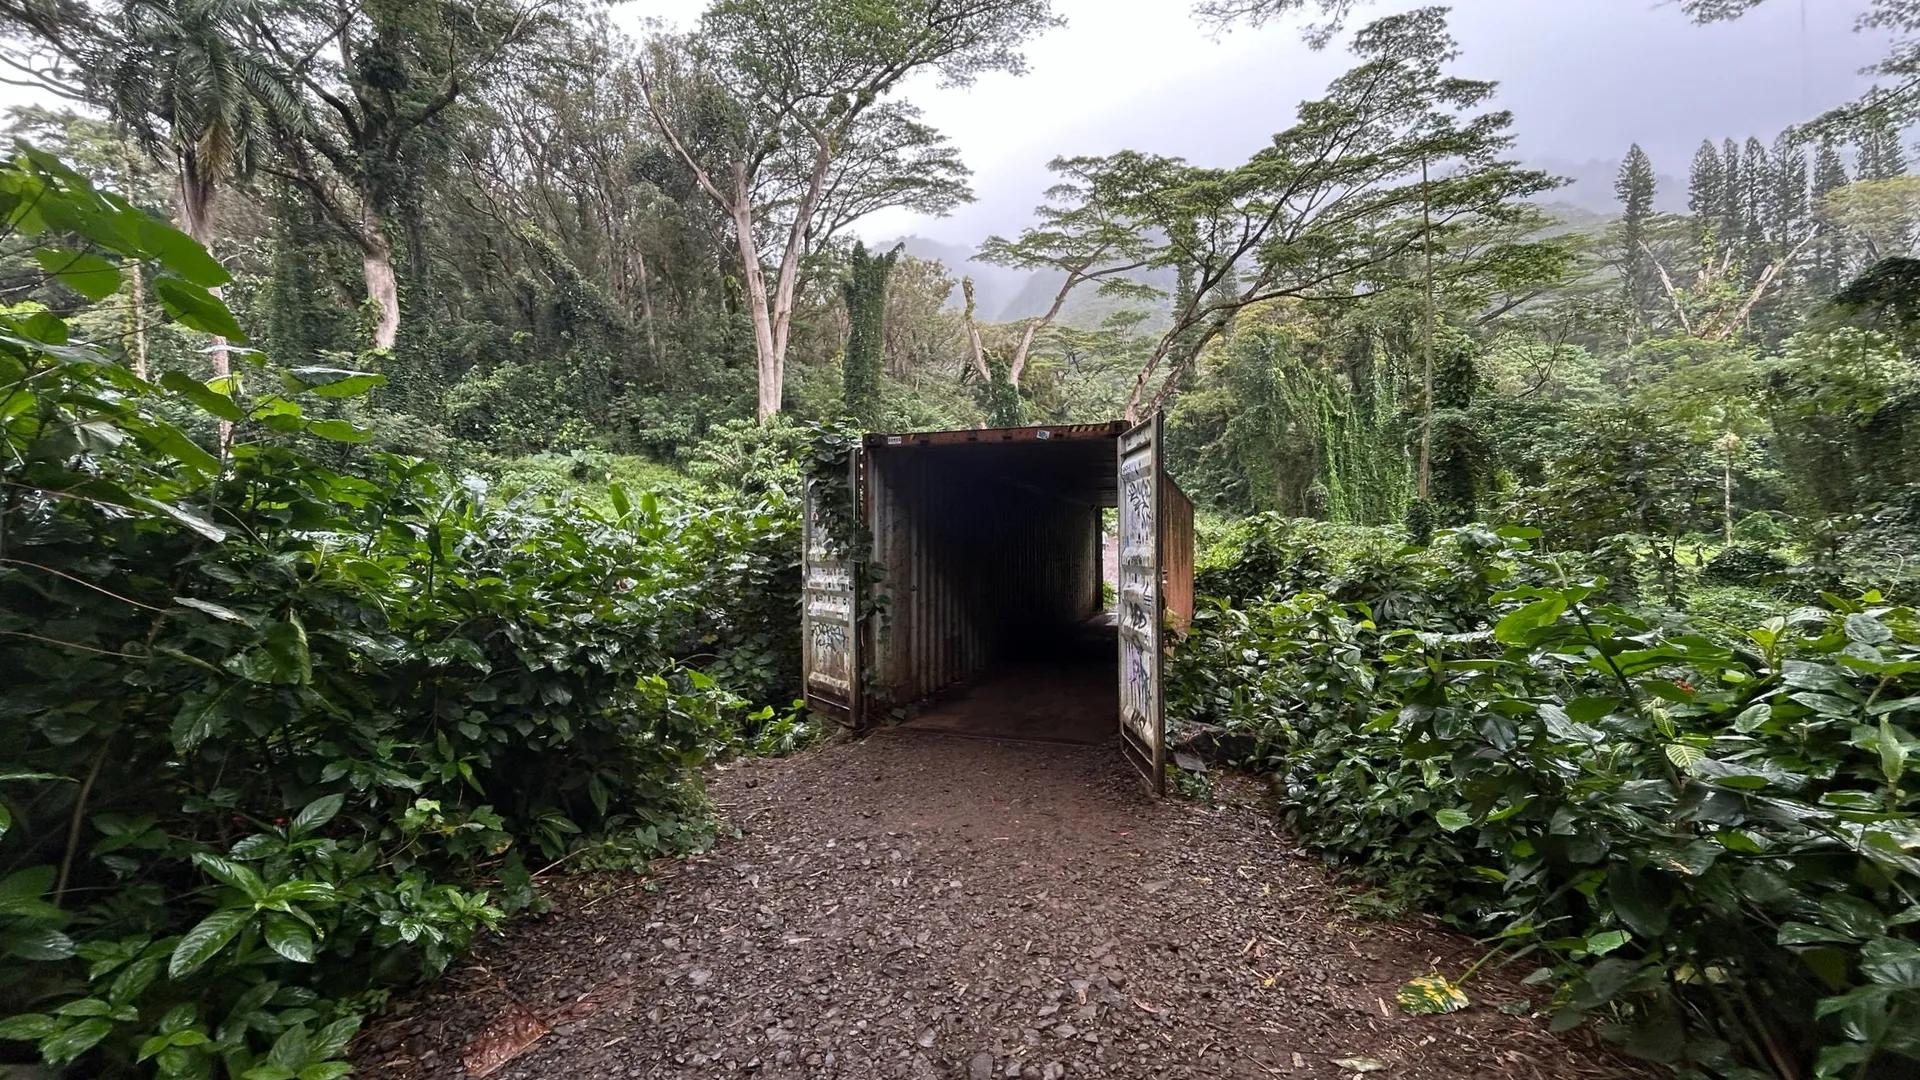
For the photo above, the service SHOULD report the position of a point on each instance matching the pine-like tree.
(1706, 183)
(1731, 204)
(1756, 190)
(1881, 157)
(1788, 221)
(1635, 188)
(1830, 253)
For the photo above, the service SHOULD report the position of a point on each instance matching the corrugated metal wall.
(1176, 554)
(974, 567)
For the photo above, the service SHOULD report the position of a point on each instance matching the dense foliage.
(423, 511)
(1704, 835)
(287, 724)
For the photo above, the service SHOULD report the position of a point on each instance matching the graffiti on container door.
(827, 593)
(1138, 587)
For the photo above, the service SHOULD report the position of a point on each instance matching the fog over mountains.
(1002, 294)
(1584, 79)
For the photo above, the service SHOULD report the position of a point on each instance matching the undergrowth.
(1705, 841)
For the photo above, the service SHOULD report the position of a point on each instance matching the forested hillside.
(407, 403)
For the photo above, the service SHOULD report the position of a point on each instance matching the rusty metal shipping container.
(988, 557)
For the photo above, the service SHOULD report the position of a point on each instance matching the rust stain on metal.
(505, 1038)
(988, 558)
(1032, 433)
(1176, 553)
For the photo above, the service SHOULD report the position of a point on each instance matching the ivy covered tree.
(1461, 465)
(864, 361)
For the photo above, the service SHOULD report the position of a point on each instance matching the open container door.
(829, 610)
(1141, 487)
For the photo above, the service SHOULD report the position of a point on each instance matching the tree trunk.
(383, 290)
(770, 371)
(137, 316)
(646, 311)
(1426, 339)
(789, 279)
(1726, 496)
(136, 278)
(196, 192)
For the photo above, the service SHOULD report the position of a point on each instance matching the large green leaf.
(332, 382)
(26, 1027)
(41, 943)
(171, 441)
(181, 254)
(1638, 901)
(84, 272)
(317, 813)
(203, 395)
(185, 517)
(206, 939)
(1891, 962)
(1517, 626)
(76, 1040)
(1685, 756)
(281, 658)
(1866, 629)
(1893, 751)
(290, 938)
(229, 872)
(197, 309)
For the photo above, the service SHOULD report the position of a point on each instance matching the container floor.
(1068, 693)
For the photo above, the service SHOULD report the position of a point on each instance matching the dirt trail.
(927, 906)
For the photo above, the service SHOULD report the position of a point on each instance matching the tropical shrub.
(1711, 847)
(285, 729)
(1744, 565)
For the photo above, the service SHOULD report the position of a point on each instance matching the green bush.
(283, 728)
(1270, 554)
(1743, 565)
(1711, 848)
(1762, 528)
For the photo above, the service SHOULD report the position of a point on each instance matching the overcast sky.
(1584, 79)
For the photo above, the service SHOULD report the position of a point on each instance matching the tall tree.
(1787, 204)
(1830, 255)
(865, 290)
(775, 94)
(182, 78)
(1334, 207)
(1880, 154)
(1732, 196)
(1756, 189)
(378, 80)
(1706, 183)
(1634, 186)
(1082, 237)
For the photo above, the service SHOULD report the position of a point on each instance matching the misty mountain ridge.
(1006, 294)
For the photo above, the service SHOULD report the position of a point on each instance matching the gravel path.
(929, 906)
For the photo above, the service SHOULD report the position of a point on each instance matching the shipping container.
(975, 604)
